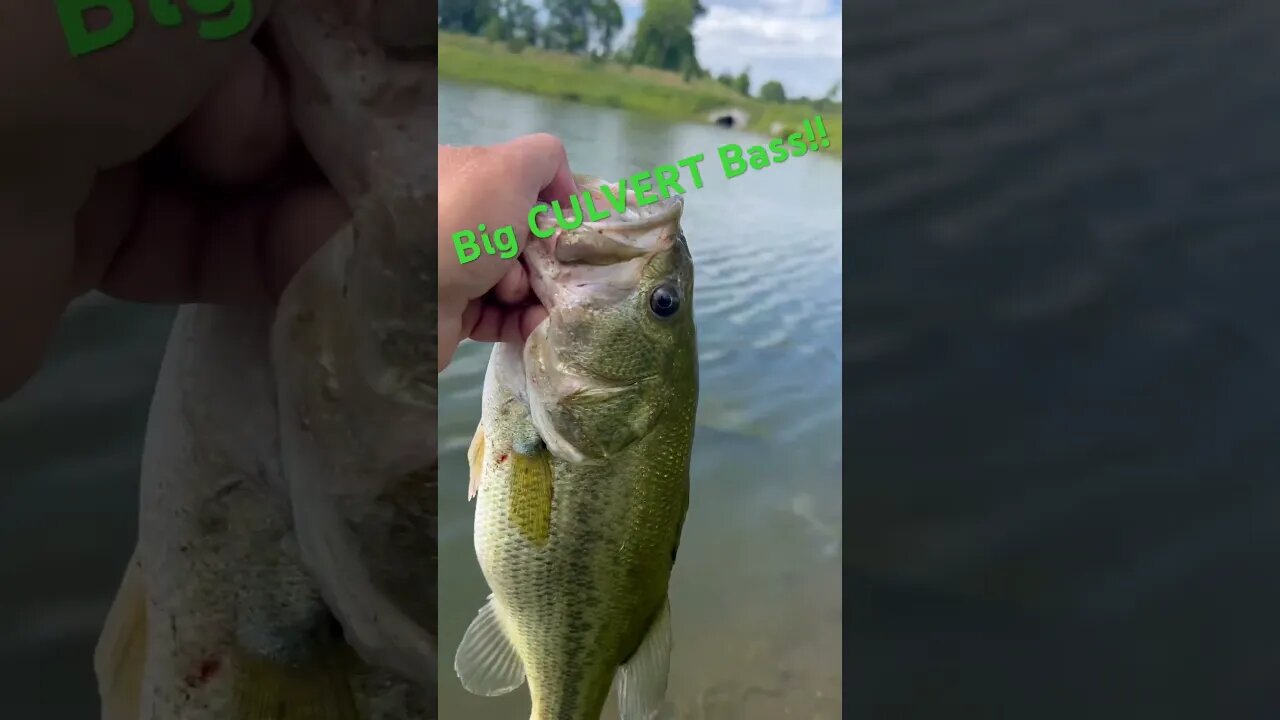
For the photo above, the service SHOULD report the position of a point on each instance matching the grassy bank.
(469, 59)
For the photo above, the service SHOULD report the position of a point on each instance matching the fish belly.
(576, 605)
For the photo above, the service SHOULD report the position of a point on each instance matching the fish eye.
(664, 301)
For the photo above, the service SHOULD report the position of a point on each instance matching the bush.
(517, 45)
(772, 92)
(494, 30)
(707, 103)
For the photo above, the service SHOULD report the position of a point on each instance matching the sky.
(796, 42)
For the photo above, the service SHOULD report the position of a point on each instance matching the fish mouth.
(601, 255)
(633, 216)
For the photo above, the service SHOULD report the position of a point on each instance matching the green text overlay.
(649, 187)
(112, 20)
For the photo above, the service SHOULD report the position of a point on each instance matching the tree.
(568, 22)
(495, 29)
(652, 56)
(664, 35)
(519, 20)
(690, 69)
(626, 56)
(742, 83)
(772, 92)
(467, 16)
(607, 19)
(524, 22)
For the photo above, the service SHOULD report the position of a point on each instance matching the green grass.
(467, 59)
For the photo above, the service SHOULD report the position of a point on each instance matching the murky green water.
(756, 591)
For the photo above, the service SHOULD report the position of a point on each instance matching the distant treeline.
(663, 38)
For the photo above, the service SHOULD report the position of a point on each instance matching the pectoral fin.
(487, 662)
(642, 680)
(475, 459)
(120, 656)
(318, 689)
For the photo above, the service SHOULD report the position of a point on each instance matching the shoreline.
(468, 60)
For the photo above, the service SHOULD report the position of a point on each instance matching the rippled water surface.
(1062, 295)
(755, 594)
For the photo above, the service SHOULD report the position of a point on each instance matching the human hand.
(160, 169)
(489, 299)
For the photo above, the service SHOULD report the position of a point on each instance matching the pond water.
(755, 594)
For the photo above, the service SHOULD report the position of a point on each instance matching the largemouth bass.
(285, 566)
(580, 471)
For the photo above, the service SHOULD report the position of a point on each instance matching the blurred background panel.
(1062, 346)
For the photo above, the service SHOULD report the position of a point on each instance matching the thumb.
(539, 160)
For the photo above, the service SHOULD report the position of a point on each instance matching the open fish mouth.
(602, 256)
(633, 216)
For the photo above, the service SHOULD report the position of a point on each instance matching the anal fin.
(121, 653)
(641, 682)
(486, 661)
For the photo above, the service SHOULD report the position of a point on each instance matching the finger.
(302, 221)
(103, 222)
(530, 318)
(542, 158)
(182, 251)
(509, 330)
(470, 317)
(239, 132)
(498, 324)
(488, 324)
(513, 288)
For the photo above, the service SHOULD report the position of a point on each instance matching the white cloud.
(791, 8)
(797, 42)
